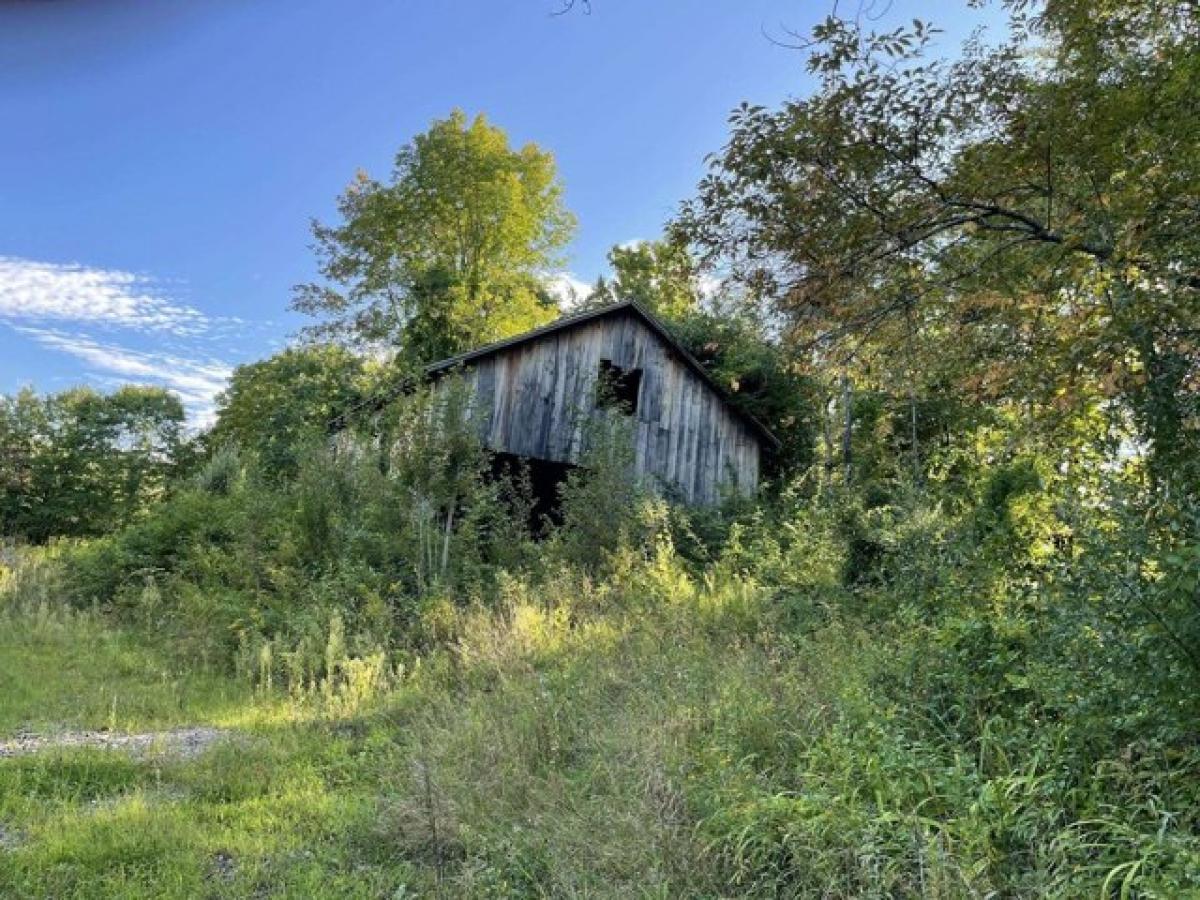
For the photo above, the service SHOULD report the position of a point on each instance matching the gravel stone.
(181, 743)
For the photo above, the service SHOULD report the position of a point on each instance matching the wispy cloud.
(197, 381)
(32, 291)
(710, 286)
(568, 289)
(125, 327)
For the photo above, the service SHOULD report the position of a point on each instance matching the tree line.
(922, 250)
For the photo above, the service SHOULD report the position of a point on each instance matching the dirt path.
(181, 743)
(9, 840)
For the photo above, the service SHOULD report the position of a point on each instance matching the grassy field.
(64, 669)
(656, 735)
(265, 808)
(540, 758)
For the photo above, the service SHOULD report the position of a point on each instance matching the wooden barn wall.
(531, 400)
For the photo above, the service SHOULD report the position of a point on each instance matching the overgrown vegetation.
(823, 695)
(952, 650)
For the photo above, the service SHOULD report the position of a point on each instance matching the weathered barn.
(532, 395)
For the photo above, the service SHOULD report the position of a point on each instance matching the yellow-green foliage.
(846, 693)
(658, 731)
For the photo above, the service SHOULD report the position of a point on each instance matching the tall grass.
(66, 667)
(655, 732)
(827, 697)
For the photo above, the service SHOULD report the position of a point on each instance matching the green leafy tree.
(1004, 244)
(80, 462)
(1019, 223)
(147, 432)
(451, 252)
(660, 275)
(273, 407)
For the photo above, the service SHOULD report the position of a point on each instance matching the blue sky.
(161, 160)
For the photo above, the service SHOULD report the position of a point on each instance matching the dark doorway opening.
(544, 480)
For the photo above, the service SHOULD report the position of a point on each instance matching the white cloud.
(709, 286)
(568, 289)
(196, 381)
(32, 291)
(75, 309)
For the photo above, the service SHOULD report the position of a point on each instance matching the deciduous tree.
(80, 462)
(452, 251)
(1020, 222)
(660, 275)
(273, 407)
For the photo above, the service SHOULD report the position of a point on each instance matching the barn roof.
(571, 321)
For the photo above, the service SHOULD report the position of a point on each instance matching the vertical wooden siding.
(532, 399)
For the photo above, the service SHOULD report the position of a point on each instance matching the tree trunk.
(446, 540)
(912, 398)
(827, 421)
(848, 427)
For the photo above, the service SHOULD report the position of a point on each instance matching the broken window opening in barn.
(618, 388)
